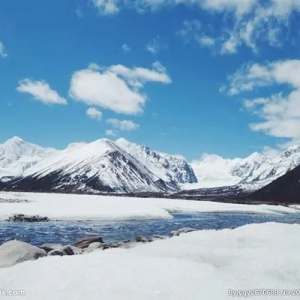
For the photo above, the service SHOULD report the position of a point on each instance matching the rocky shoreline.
(14, 251)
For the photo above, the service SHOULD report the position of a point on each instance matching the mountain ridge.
(153, 171)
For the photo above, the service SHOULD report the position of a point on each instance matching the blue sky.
(184, 77)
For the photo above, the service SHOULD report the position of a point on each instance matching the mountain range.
(124, 167)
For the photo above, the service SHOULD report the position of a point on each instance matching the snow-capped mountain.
(122, 166)
(17, 155)
(98, 166)
(167, 167)
(250, 173)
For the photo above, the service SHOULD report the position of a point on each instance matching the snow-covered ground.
(86, 207)
(199, 265)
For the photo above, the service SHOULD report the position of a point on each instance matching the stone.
(182, 230)
(14, 252)
(85, 242)
(55, 253)
(50, 246)
(76, 250)
(142, 239)
(24, 218)
(93, 246)
(159, 237)
(62, 251)
(129, 245)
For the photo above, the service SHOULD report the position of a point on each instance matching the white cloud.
(193, 31)
(279, 112)
(245, 23)
(117, 87)
(111, 132)
(239, 7)
(126, 48)
(138, 76)
(3, 53)
(94, 113)
(272, 152)
(78, 12)
(41, 91)
(107, 7)
(123, 125)
(230, 45)
(156, 45)
(207, 41)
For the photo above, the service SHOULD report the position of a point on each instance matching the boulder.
(85, 242)
(93, 246)
(76, 250)
(62, 251)
(50, 246)
(55, 253)
(13, 252)
(182, 230)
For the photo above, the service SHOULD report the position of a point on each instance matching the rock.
(62, 251)
(24, 218)
(50, 246)
(159, 237)
(129, 244)
(93, 246)
(13, 252)
(142, 239)
(182, 230)
(55, 253)
(76, 250)
(85, 242)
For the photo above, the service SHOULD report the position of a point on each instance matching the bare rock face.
(13, 252)
(85, 242)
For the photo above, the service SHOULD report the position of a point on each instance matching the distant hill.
(285, 189)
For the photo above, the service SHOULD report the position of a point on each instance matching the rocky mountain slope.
(167, 167)
(285, 189)
(126, 167)
(251, 173)
(97, 166)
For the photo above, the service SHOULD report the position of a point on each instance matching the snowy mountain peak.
(97, 166)
(17, 155)
(167, 167)
(13, 140)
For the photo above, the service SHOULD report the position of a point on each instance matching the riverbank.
(203, 264)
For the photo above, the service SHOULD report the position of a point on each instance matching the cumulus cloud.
(117, 87)
(2, 51)
(94, 113)
(41, 91)
(123, 125)
(279, 112)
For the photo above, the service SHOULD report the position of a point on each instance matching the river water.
(69, 232)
